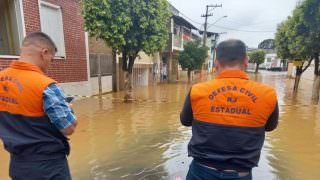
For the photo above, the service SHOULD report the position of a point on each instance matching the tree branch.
(305, 68)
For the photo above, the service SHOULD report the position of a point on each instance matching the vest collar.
(233, 74)
(23, 65)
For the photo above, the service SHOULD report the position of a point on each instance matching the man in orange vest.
(229, 117)
(35, 119)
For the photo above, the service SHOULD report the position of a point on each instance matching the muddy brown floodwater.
(144, 139)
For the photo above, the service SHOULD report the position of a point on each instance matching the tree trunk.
(124, 61)
(286, 65)
(131, 63)
(316, 64)
(189, 75)
(316, 89)
(316, 83)
(297, 79)
(114, 71)
(299, 71)
(296, 83)
(128, 80)
(128, 87)
(257, 68)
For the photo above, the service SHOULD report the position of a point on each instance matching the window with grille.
(106, 65)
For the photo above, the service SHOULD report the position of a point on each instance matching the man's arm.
(272, 122)
(186, 115)
(58, 110)
(69, 130)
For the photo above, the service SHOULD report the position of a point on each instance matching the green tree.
(192, 57)
(267, 44)
(293, 41)
(311, 20)
(257, 57)
(128, 27)
(281, 42)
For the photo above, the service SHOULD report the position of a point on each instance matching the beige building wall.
(98, 46)
(290, 72)
(144, 59)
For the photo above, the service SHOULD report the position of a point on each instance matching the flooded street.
(144, 139)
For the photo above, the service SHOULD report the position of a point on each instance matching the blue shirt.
(57, 109)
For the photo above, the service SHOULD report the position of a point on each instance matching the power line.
(228, 28)
(253, 24)
(190, 19)
(209, 25)
(241, 30)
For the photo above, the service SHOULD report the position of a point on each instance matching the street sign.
(297, 62)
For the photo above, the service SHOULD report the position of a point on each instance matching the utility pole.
(206, 21)
(205, 32)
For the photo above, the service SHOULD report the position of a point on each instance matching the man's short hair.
(39, 38)
(231, 52)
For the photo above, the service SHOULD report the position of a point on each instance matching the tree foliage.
(299, 36)
(193, 56)
(267, 44)
(257, 57)
(281, 42)
(128, 26)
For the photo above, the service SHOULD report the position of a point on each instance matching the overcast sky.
(249, 20)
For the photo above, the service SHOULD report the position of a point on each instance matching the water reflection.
(144, 140)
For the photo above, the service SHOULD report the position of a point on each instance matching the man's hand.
(70, 130)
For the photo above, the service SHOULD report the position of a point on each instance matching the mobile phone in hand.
(69, 99)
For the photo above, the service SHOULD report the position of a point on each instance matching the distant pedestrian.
(164, 72)
(34, 116)
(229, 116)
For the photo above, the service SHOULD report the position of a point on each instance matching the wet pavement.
(144, 139)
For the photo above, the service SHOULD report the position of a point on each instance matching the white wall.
(77, 88)
(87, 88)
(106, 84)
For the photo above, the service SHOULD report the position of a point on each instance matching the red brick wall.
(31, 15)
(74, 67)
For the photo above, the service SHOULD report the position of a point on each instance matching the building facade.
(181, 31)
(62, 21)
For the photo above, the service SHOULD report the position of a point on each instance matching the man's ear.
(217, 65)
(246, 62)
(44, 52)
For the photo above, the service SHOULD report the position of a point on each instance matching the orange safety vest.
(25, 128)
(230, 114)
(22, 85)
(233, 100)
